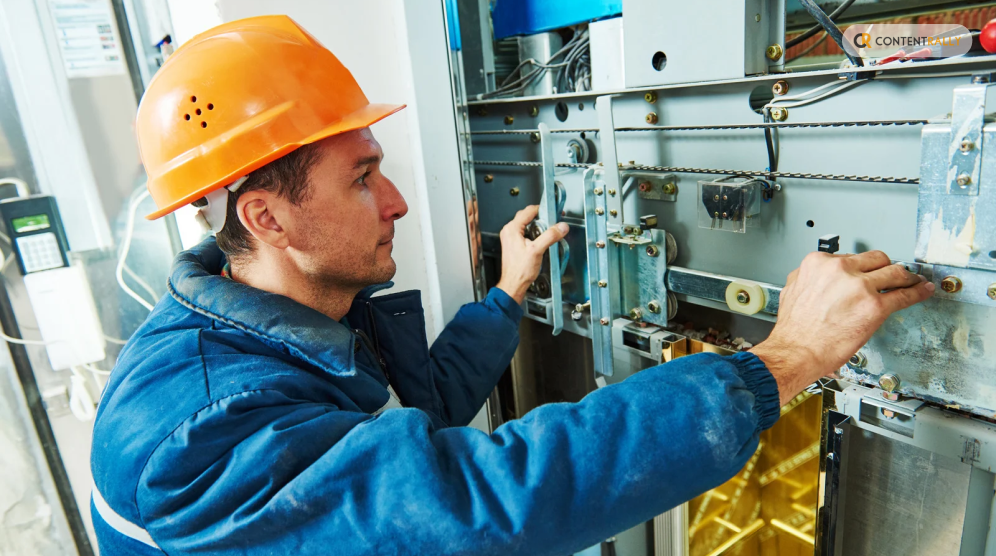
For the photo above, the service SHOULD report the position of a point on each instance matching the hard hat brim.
(362, 118)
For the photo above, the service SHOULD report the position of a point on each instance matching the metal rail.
(772, 125)
(752, 173)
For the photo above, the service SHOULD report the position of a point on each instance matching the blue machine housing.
(528, 17)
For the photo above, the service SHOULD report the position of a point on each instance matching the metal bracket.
(548, 217)
(965, 151)
(610, 161)
(706, 285)
(830, 502)
(596, 238)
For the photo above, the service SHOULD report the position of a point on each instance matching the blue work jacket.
(240, 422)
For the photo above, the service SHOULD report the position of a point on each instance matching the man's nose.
(393, 205)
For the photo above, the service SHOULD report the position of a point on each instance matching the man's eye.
(363, 179)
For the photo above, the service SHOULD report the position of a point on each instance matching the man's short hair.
(287, 176)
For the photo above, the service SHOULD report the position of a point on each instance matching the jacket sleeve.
(261, 473)
(470, 355)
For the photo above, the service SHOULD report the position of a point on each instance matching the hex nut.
(604, 321)
(514, 191)
(509, 120)
(636, 313)
(613, 212)
(670, 188)
(951, 284)
(992, 292)
(535, 137)
(652, 118)
(534, 110)
(967, 145)
(781, 87)
(743, 297)
(650, 97)
(858, 360)
(890, 382)
(654, 307)
(599, 211)
(964, 180)
(603, 284)
(600, 244)
(774, 52)
(888, 414)
(489, 178)
(612, 192)
(598, 191)
(653, 250)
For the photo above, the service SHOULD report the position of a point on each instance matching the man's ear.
(258, 212)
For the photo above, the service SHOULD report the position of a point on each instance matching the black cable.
(831, 28)
(809, 48)
(770, 144)
(817, 28)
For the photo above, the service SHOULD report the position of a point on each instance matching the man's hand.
(521, 258)
(830, 307)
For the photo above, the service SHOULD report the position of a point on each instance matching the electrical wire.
(831, 28)
(809, 49)
(114, 340)
(512, 86)
(126, 246)
(22, 342)
(817, 28)
(145, 285)
(802, 99)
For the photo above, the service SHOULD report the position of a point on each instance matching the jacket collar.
(196, 283)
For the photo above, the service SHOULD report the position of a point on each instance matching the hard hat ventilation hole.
(204, 124)
(186, 117)
(193, 99)
(210, 106)
(198, 111)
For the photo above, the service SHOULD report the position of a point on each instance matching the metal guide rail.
(771, 125)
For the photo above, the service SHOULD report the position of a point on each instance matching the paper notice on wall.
(87, 37)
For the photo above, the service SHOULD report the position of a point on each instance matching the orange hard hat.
(238, 97)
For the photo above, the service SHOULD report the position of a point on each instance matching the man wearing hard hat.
(271, 405)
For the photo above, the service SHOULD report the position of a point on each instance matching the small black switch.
(829, 244)
(648, 222)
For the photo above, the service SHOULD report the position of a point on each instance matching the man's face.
(342, 234)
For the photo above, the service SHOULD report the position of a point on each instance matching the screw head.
(599, 211)
(966, 145)
(670, 189)
(652, 118)
(654, 307)
(598, 191)
(613, 212)
(951, 284)
(650, 97)
(534, 111)
(600, 244)
(645, 186)
(636, 313)
(715, 198)
(489, 178)
(509, 120)
(514, 191)
(535, 137)
(603, 284)
(857, 360)
(743, 297)
(604, 322)
(992, 292)
(964, 180)
(612, 192)
(781, 87)
(576, 315)
(774, 52)
(890, 382)
(724, 215)
(779, 114)
(653, 250)
(757, 18)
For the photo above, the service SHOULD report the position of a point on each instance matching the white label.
(87, 37)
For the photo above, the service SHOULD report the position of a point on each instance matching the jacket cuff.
(505, 303)
(761, 383)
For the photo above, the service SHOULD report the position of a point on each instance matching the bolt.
(534, 110)
(992, 292)
(580, 307)
(716, 198)
(636, 313)
(858, 360)
(489, 178)
(670, 189)
(888, 414)
(779, 114)
(967, 145)
(715, 215)
(514, 191)
(951, 284)
(890, 382)
(600, 244)
(613, 212)
(774, 52)
(654, 307)
(598, 191)
(650, 97)
(645, 186)
(653, 250)
(725, 198)
(781, 87)
(534, 137)
(964, 180)
(652, 118)
(603, 284)
(612, 192)
(599, 211)
(604, 321)
(757, 18)
(724, 215)
(743, 297)
(509, 120)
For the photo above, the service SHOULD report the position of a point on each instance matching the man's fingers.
(900, 299)
(870, 260)
(893, 277)
(524, 217)
(551, 236)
